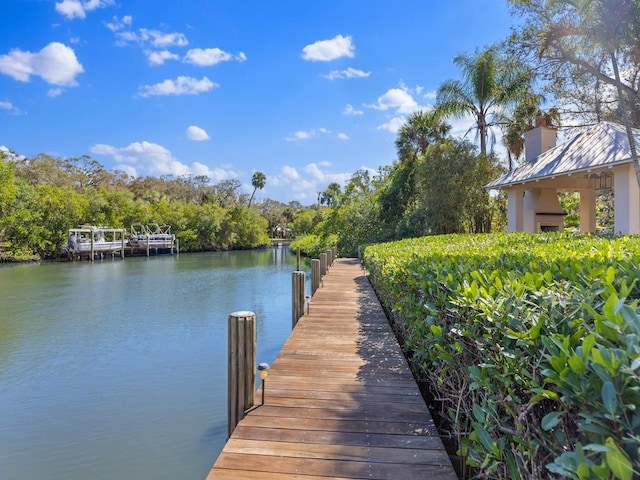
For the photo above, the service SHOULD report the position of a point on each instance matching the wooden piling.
(242, 366)
(323, 264)
(329, 257)
(297, 297)
(315, 276)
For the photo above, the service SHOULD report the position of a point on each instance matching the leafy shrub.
(313, 245)
(531, 343)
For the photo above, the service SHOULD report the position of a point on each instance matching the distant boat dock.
(90, 241)
(340, 400)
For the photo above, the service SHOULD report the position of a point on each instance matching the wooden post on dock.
(315, 276)
(242, 366)
(329, 257)
(323, 264)
(334, 250)
(297, 297)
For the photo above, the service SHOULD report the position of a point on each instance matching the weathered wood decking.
(340, 401)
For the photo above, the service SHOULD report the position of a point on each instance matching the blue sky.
(306, 92)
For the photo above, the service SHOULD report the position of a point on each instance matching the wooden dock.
(340, 401)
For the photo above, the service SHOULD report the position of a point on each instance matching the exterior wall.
(626, 201)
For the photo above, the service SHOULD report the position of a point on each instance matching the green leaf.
(583, 471)
(618, 461)
(587, 344)
(577, 365)
(609, 397)
(478, 413)
(436, 330)
(609, 307)
(550, 420)
(484, 437)
(534, 332)
(610, 275)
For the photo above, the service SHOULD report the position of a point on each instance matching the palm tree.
(258, 180)
(421, 129)
(331, 194)
(487, 86)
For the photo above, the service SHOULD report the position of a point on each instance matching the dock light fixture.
(263, 369)
(308, 302)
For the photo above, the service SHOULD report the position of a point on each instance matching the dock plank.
(340, 400)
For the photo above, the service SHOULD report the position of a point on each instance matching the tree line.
(42, 197)
(571, 62)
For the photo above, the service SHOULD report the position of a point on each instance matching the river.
(117, 369)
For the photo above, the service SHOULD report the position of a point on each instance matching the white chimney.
(539, 140)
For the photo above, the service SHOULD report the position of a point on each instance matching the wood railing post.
(242, 366)
(297, 297)
(315, 276)
(323, 264)
(329, 257)
(334, 249)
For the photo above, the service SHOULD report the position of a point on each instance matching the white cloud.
(290, 173)
(343, 136)
(348, 73)
(306, 182)
(55, 64)
(299, 135)
(161, 56)
(117, 25)
(392, 125)
(327, 50)
(314, 170)
(9, 107)
(150, 159)
(156, 38)
(306, 134)
(349, 110)
(431, 95)
(54, 92)
(179, 86)
(396, 99)
(78, 9)
(206, 57)
(197, 133)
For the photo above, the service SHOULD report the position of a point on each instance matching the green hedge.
(313, 245)
(530, 343)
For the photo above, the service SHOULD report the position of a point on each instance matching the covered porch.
(597, 159)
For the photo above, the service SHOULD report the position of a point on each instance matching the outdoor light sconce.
(263, 369)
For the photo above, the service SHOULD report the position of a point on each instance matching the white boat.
(90, 239)
(152, 236)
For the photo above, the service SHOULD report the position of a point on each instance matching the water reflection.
(117, 369)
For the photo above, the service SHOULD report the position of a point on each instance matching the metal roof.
(602, 145)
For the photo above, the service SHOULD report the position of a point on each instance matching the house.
(598, 158)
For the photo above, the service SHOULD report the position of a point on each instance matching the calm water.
(118, 369)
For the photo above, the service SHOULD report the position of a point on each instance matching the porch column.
(588, 210)
(515, 205)
(626, 200)
(530, 204)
